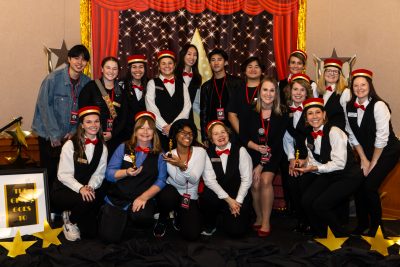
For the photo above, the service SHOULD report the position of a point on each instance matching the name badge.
(81, 160)
(118, 105)
(220, 114)
(127, 158)
(352, 114)
(215, 159)
(159, 88)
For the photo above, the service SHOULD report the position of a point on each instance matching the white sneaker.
(71, 232)
(65, 216)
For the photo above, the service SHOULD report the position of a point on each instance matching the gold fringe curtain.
(86, 29)
(301, 33)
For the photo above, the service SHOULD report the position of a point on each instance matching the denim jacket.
(54, 105)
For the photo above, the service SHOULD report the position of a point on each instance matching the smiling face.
(315, 116)
(299, 93)
(267, 93)
(91, 125)
(110, 70)
(219, 136)
(137, 71)
(331, 75)
(77, 64)
(167, 66)
(144, 134)
(184, 137)
(295, 65)
(361, 89)
(190, 57)
(253, 70)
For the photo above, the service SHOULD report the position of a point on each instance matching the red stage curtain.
(105, 22)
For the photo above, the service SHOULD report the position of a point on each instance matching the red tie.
(189, 74)
(356, 105)
(299, 108)
(88, 141)
(172, 81)
(137, 87)
(142, 149)
(329, 89)
(225, 151)
(317, 133)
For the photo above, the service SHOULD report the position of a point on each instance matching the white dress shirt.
(245, 169)
(66, 167)
(288, 141)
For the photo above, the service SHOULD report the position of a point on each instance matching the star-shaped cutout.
(334, 55)
(17, 246)
(331, 242)
(62, 54)
(49, 235)
(379, 243)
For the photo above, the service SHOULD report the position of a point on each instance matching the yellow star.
(17, 246)
(49, 235)
(379, 243)
(331, 242)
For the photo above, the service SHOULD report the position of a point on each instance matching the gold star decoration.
(331, 242)
(17, 246)
(61, 53)
(49, 235)
(379, 243)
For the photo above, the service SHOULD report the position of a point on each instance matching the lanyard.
(222, 90)
(73, 89)
(266, 130)
(254, 94)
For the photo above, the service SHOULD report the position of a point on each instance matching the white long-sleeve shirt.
(66, 167)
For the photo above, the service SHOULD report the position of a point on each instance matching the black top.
(239, 104)
(169, 106)
(335, 112)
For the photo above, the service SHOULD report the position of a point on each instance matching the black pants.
(211, 206)
(114, 220)
(83, 213)
(296, 188)
(367, 199)
(325, 193)
(189, 220)
(49, 159)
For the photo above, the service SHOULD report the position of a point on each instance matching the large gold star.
(379, 243)
(17, 246)
(331, 242)
(49, 235)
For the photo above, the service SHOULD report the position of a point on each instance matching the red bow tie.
(142, 149)
(88, 141)
(172, 81)
(317, 133)
(329, 89)
(189, 74)
(225, 151)
(356, 105)
(299, 108)
(137, 87)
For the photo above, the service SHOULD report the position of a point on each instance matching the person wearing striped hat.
(332, 87)
(330, 175)
(371, 134)
(136, 173)
(167, 97)
(134, 90)
(77, 192)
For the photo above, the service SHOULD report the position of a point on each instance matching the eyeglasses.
(333, 72)
(184, 133)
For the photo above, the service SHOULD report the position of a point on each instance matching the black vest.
(229, 181)
(366, 132)
(325, 153)
(335, 112)
(299, 134)
(127, 189)
(169, 106)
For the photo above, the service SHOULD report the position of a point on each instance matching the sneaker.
(71, 232)
(159, 229)
(209, 231)
(65, 216)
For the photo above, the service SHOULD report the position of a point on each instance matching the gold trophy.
(297, 163)
(133, 158)
(169, 154)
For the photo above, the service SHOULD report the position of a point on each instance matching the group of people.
(118, 152)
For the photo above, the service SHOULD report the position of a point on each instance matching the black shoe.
(159, 229)
(360, 230)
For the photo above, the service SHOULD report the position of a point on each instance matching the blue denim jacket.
(54, 105)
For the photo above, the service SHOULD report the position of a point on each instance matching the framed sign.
(25, 201)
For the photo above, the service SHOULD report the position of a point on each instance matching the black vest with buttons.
(299, 134)
(335, 112)
(169, 106)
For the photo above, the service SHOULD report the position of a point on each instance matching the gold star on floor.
(379, 243)
(331, 242)
(49, 235)
(61, 53)
(17, 246)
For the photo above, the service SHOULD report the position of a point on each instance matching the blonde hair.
(341, 84)
(209, 131)
(276, 105)
(131, 144)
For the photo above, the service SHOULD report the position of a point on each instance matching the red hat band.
(333, 62)
(137, 58)
(145, 114)
(298, 51)
(362, 73)
(165, 53)
(214, 122)
(300, 76)
(88, 110)
(313, 102)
